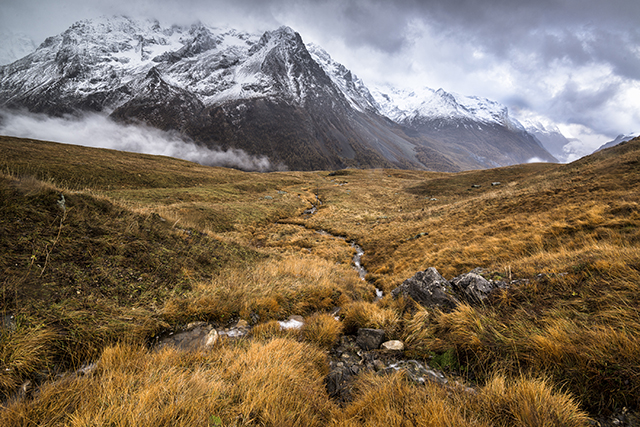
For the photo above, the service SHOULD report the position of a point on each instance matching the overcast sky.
(576, 62)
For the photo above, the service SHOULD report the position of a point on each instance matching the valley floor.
(102, 251)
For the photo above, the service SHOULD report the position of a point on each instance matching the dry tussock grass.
(275, 289)
(527, 402)
(394, 401)
(269, 330)
(363, 314)
(275, 382)
(321, 329)
(22, 352)
(278, 382)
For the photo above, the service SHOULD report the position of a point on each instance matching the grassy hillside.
(102, 250)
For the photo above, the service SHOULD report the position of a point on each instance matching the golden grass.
(527, 402)
(321, 329)
(278, 382)
(23, 352)
(273, 383)
(150, 243)
(363, 314)
(394, 401)
(275, 289)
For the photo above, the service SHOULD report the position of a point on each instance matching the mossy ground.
(144, 243)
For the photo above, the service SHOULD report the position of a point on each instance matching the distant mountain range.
(267, 94)
(619, 140)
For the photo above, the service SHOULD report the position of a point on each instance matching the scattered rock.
(8, 323)
(393, 345)
(370, 339)
(255, 318)
(239, 330)
(493, 184)
(621, 418)
(310, 211)
(87, 369)
(476, 186)
(472, 287)
(417, 236)
(211, 338)
(348, 359)
(195, 335)
(338, 382)
(428, 288)
(416, 372)
(378, 365)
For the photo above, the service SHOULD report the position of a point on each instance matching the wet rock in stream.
(201, 335)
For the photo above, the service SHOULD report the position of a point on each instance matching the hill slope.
(144, 243)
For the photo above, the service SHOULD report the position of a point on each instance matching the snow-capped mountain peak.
(269, 94)
(349, 84)
(428, 104)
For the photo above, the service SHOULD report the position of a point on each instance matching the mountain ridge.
(267, 94)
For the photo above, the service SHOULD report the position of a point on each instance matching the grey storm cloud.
(572, 60)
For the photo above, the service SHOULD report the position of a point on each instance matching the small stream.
(357, 265)
(357, 259)
(362, 272)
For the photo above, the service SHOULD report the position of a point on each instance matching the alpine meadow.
(145, 290)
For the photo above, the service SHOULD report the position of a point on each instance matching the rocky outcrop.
(472, 287)
(430, 289)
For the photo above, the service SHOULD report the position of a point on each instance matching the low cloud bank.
(95, 130)
(536, 160)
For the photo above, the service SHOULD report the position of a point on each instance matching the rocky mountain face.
(619, 140)
(266, 94)
(479, 133)
(551, 138)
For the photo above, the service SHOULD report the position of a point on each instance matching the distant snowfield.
(95, 130)
(14, 46)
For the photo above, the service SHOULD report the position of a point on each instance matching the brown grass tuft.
(321, 329)
(527, 402)
(23, 352)
(393, 401)
(363, 314)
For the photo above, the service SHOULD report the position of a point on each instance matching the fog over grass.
(96, 130)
